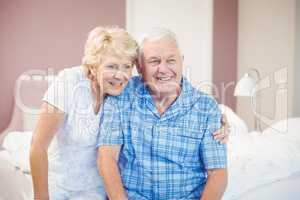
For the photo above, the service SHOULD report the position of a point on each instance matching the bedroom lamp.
(246, 87)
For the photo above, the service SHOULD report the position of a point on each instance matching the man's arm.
(214, 155)
(215, 185)
(108, 168)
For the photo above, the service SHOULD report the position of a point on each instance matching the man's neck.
(164, 100)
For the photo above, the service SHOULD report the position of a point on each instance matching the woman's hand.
(222, 134)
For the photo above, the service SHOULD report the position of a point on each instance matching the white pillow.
(288, 128)
(5, 157)
(237, 124)
(238, 135)
(18, 145)
(29, 121)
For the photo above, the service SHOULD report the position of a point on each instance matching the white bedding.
(285, 189)
(257, 162)
(18, 145)
(257, 159)
(14, 184)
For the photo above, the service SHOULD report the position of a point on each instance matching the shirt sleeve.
(59, 92)
(213, 153)
(110, 124)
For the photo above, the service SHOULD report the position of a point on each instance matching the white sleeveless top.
(73, 152)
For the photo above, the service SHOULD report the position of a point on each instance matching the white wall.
(266, 42)
(191, 20)
(297, 68)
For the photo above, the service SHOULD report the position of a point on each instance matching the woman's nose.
(120, 75)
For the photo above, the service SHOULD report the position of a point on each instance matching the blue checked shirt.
(167, 156)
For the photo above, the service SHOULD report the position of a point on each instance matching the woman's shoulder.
(127, 95)
(74, 73)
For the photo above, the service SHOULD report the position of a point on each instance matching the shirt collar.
(183, 103)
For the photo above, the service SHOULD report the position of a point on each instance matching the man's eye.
(154, 62)
(171, 61)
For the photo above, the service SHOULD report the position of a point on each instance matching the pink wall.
(51, 33)
(225, 37)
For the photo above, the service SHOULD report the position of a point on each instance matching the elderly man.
(156, 138)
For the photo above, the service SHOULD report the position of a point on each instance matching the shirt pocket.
(184, 140)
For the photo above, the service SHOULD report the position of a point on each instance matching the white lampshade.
(245, 86)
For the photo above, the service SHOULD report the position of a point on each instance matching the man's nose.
(162, 67)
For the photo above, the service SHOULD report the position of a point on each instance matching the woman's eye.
(127, 66)
(110, 66)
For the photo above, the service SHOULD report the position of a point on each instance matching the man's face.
(161, 66)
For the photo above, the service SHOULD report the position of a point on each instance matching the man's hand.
(222, 134)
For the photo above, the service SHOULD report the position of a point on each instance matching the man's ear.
(182, 57)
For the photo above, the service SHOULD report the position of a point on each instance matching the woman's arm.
(48, 124)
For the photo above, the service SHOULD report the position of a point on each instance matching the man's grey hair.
(156, 34)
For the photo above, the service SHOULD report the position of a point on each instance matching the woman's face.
(114, 73)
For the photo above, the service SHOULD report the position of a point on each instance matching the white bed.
(14, 183)
(262, 166)
(15, 180)
(284, 189)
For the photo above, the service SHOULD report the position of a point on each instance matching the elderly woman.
(70, 118)
(64, 150)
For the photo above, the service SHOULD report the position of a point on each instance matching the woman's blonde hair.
(109, 41)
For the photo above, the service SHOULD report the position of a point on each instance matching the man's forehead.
(160, 47)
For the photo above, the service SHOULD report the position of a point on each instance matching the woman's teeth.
(116, 84)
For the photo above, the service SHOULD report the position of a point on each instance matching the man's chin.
(164, 91)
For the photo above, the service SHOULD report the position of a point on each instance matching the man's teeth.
(164, 78)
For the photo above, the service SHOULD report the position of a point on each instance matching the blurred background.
(220, 39)
(246, 53)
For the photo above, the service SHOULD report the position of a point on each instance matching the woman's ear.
(138, 66)
(91, 73)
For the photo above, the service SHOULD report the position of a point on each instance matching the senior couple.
(104, 134)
